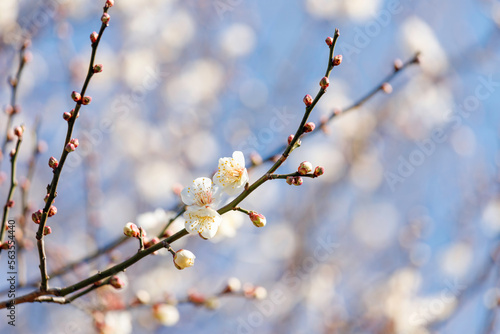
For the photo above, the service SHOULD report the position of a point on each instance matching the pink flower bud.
(18, 131)
(386, 88)
(290, 138)
(86, 100)
(398, 64)
(152, 242)
(329, 41)
(53, 163)
(308, 100)
(47, 230)
(110, 3)
(70, 147)
(72, 112)
(76, 96)
(27, 57)
(324, 83)
(116, 282)
(298, 181)
(318, 171)
(309, 127)
(257, 219)
(97, 68)
(337, 60)
(93, 37)
(131, 230)
(289, 180)
(75, 142)
(183, 259)
(66, 116)
(10, 203)
(305, 168)
(36, 216)
(196, 298)
(105, 18)
(52, 211)
(47, 197)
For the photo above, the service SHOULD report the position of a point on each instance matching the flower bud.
(10, 203)
(76, 96)
(183, 259)
(298, 181)
(289, 180)
(329, 41)
(47, 230)
(18, 131)
(166, 314)
(309, 127)
(319, 170)
(337, 60)
(398, 64)
(386, 88)
(105, 18)
(70, 147)
(305, 168)
(116, 282)
(36, 216)
(53, 163)
(131, 230)
(257, 219)
(324, 83)
(12, 81)
(12, 152)
(52, 211)
(195, 297)
(27, 57)
(86, 100)
(233, 285)
(308, 100)
(66, 116)
(93, 37)
(97, 68)
(110, 3)
(260, 293)
(212, 303)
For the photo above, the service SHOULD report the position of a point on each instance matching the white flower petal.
(239, 158)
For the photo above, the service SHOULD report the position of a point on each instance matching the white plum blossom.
(202, 197)
(232, 174)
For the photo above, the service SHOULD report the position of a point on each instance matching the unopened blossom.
(337, 60)
(305, 167)
(257, 219)
(324, 83)
(166, 314)
(319, 170)
(329, 41)
(309, 127)
(184, 259)
(308, 100)
(116, 282)
(131, 230)
(93, 37)
(232, 174)
(105, 18)
(202, 197)
(52, 211)
(47, 230)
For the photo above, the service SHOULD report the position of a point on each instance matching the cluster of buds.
(337, 60)
(116, 282)
(72, 145)
(309, 127)
(131, 230)
(294, 180)
(53, 163)
(183, 259)
(324, 83)
(257, 219)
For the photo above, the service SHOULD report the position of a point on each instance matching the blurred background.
(401, 234)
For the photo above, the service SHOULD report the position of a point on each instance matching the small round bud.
(47, 230)
(324, 83)
(18, 131)
(52, 211)
(233, 285)
(116, 282)
(319, 170)
(212, 303)
(337, 60)
(12, 152)
(86, 100)
(53, 163)
(305, 168)
(257, 219)
(76, 96)
(183, 259)
(36, 216)
(398, 64)
(290, 138)
(152, 242)
(309, 127)
(289, 180)
(260, 293)
(386, 88)
(72, 112)
(97, 68)
(131, 230)
(10, 204)
(298, 181)
(27, 57)
(329, 41)
(93, 37)
(105, 18)
(110, 3)
(70, 147)
(166, 314)
(67, 116)
(308, 100)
